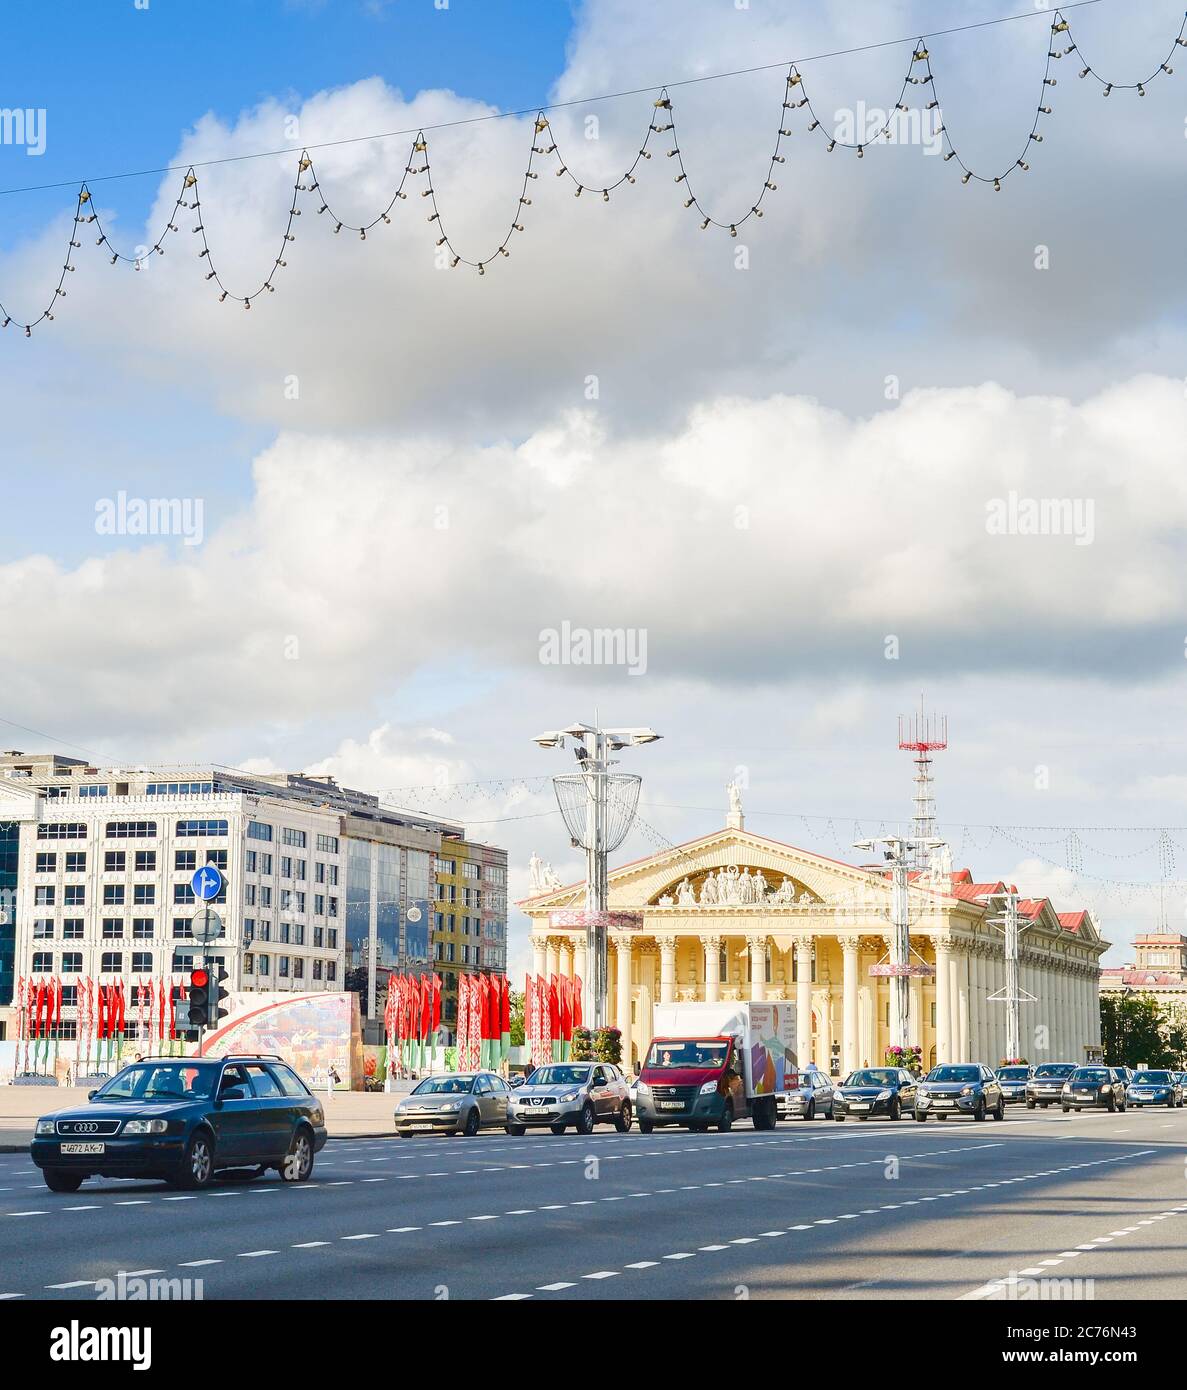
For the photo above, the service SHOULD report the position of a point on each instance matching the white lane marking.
(602, 1274)
(680, 1255)
(399, 1230)
(197, 1264)
(89, 1208)
(26, 1213)
(554, 1288)
(643, 1264)
(366, 1235)
(254, 1254)
(74, 1284)
(308, 1244)
(511, 1297)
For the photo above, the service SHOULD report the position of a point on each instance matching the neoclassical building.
(735, 915)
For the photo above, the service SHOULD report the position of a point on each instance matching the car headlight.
(452, 1105)
(146, 1127)
(1105, 1088)
(45, 1127)
(708, 1088)
(643, 1089)
(967, 1091)
(885, 1095)
(570, 1098)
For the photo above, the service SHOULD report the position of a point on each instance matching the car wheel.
(646, 1126)
(557, 1129)
(1000, 1112)
(726, 1123)
(1030, 1105)
(896, 1110)
(1112, 1105)
(979, 1109)
(622, 1121)
(941, 1117)
(921, 1115)
(1045, 1104)
(1066, 1108)
(298, 1162)
(197, 1167)
(694, 1127)
(586, 1120)
(518, 1130)
(60, 1180)
(473, 1121)
(839, 1118)
(810, 1113)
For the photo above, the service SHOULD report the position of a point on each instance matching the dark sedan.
(1093, 1088)
(1013, 1081)
(1045, 1087)
(183, 1119)
(1155, 1088)
(965, 1088)
(888, 1091)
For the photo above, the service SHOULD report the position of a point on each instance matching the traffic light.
(199, 993)
(218, 1007)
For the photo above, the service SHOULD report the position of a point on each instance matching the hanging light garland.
(919, 73)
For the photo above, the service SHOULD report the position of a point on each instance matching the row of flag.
(100, 1016)
(551, 1011)
(412, 1019)
(483, 1021)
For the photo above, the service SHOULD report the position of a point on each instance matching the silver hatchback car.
(581, 1094)
(455, 1103)
(813, 1096)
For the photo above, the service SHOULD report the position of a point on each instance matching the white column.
(758, 966)
(803, 1000)
(539, 959)
(667, 969)
(622, 1015)
(849, 1035)
(711, 946)
(566, 958)
(961, 961)
(554, 957)
(944, 1048)
(579, 965)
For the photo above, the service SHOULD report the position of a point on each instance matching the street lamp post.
(901, 852)
(1013, 995)
(598, 806)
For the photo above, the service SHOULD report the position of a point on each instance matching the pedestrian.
(332, 1079)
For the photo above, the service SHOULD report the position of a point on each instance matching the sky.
(901, 435)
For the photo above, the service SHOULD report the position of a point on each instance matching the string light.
(794, 83)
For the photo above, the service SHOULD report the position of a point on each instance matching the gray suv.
(581, 1094)
(813, 1096)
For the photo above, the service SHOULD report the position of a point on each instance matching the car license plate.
(84, 1148)
(420, 1126)
(941, 1102)
(859, 1105)
(670, 1104)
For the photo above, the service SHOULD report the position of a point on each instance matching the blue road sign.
(207, 883)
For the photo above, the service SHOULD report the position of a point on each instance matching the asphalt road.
(862, 1209)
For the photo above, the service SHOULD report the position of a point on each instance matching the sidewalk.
(349, 1115)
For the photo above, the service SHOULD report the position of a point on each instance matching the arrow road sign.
(207, 883)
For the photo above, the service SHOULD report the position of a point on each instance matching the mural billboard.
(312, 1032)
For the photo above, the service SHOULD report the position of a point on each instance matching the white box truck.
(712, 1064)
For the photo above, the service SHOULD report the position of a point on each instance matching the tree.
(1134, 1029)
(517, 1025)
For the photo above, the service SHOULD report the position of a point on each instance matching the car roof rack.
(230, 1057)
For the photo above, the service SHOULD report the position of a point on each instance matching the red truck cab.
(694, 1082)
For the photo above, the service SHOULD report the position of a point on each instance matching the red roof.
(1071, 921)
(1127, 975)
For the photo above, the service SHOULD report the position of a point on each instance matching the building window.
(249, 930)
(198, 829)
(179, 789)
(185, 860)
(76, 861)
(317, 970)
(47, 863)
(182, 929)
(71, 962)
(113, 895)
(113, 928)
(331, 970)
(141, 962)
(298, 968)
(249, 964)
(263, 965)
(144, 894)
(43, 929)
(257, 830)
(142, 928)
(183, 893)
(332, 938)
(43, 962)
(328, 844)
(112, 962)
(62, 830)
(115, 861)
(72, 928)
(293, 837)
(43, 895)
(132, 830)
(92, 790)
(146, 861)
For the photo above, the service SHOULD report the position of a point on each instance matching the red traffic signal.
(199, 998)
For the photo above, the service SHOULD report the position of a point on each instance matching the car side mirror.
(91, 1095)
(233, 1093)
(598, 1081)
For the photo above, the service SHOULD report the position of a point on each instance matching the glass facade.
(10, 839)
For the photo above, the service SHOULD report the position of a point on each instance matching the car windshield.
(1153, 1078)
(954, 1074)
(1054, 1070)
(445, 1086)
(160, 1081)
(691, 1055)
(872, 1078)
(1086, 1074)
(1012, 1073)
(559, 1076)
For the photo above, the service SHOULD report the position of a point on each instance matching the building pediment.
(744, 869)
(17, 802)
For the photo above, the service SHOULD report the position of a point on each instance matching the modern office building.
(326, 889)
